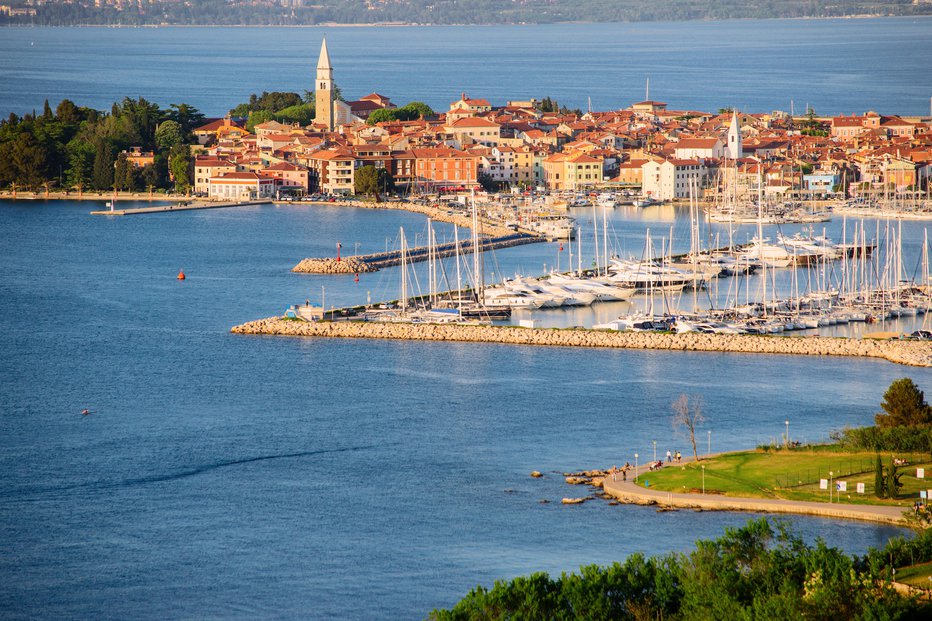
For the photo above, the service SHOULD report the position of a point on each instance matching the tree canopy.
(76, 147)
(753, 572)
(372, 181)
(409, 112)
(904, 405)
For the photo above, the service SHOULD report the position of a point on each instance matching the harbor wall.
(913, 353)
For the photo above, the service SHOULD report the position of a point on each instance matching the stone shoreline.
(912, 353)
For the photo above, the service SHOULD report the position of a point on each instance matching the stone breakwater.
(913, 353)
(346, 265)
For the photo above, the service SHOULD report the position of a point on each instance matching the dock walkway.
(379, 260)
(189, 206)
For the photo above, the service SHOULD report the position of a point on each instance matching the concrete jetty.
(913, 353)
(183, 206)
(376, 261)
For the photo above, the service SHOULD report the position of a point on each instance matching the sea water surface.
(834, 66)
(243, 477)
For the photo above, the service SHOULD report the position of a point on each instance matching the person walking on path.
(669, 457)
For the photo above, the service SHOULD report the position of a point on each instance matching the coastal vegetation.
(905, 424)
(791, 472)
(243, 12)
(73, 147)
(795, 474)
(760, 570)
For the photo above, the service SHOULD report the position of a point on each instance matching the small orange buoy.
(180, 274)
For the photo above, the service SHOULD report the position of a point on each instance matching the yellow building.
(572, 171)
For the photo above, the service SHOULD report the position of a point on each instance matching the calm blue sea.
(834, 66)
(223, 476)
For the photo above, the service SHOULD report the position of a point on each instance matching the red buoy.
(180, 274)
(356, 279)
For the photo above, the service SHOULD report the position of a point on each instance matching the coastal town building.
(672, 178)
(646, 146)
(236, 186)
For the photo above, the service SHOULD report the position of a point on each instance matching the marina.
(167, 455)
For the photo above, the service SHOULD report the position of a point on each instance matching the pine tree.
(879, 485)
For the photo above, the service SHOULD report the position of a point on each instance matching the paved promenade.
(628, 492)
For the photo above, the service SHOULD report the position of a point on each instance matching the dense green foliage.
(372, 181)
(409, 112)
(450, 11)
(896, 439)
(75, 147)
(905, 406)
(269, 102)
(905, 425)
(754, 572)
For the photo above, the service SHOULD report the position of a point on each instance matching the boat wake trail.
(43, 493)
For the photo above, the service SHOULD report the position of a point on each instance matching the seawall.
(912, 353)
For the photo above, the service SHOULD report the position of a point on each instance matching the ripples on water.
(253, 477)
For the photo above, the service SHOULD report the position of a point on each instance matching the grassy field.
(916, 575)
(792, 474)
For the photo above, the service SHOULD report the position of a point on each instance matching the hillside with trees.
(303, 12)
(73, 147)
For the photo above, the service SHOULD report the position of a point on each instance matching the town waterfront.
(220, 475)
(224, 476)
(836, 66)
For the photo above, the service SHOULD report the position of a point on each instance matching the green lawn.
(916, 575)
(791, 475)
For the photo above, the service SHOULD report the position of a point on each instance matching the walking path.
(630, 493)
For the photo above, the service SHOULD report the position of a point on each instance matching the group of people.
(623, 470)
(673, 456)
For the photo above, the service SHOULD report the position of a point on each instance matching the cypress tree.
(878, 479)
(892, 481)
(103, 166)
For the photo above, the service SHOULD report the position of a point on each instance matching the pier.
(182, 206)
(376, 261)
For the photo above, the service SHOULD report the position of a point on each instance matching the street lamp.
(708, 450)
(830, 486)
(635, 466)
(787, 437)
(655, 450)
(703, 478)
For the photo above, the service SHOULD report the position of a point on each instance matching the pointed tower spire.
(735, 151)
(323, 91)
(324, 61)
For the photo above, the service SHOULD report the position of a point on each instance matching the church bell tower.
(323, 90)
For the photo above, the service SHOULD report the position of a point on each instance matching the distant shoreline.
(464, 24)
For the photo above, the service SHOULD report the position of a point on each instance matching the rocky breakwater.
(914, 353)
(346, 265)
